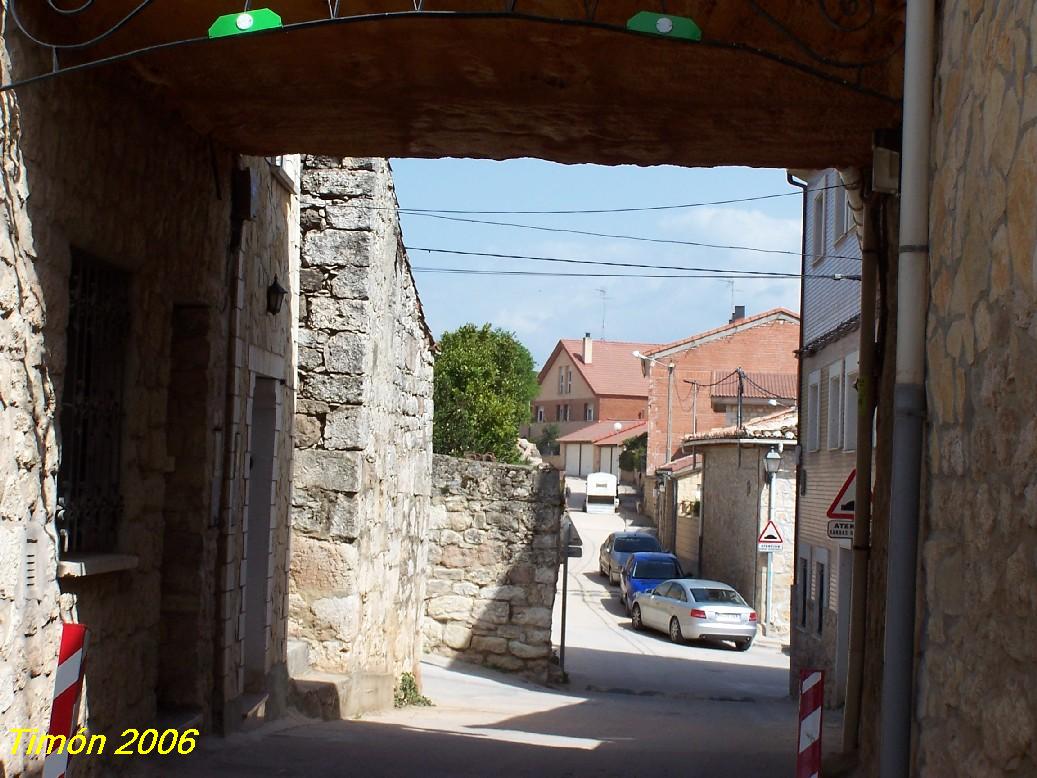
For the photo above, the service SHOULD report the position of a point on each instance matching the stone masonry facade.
(976, 703)
(97, 165)
(735, 498)
(494, 556)
(363, 457)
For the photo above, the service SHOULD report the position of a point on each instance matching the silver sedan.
(693, 609)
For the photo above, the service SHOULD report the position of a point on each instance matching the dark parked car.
(645, 570)
(618, 546)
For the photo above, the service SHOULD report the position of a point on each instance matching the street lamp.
(771, 464)
(669, 400)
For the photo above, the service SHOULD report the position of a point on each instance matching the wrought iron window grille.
(89, 495)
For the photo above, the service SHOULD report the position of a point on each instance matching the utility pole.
(741, 393)
(669, 411)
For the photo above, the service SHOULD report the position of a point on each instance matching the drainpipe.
(862, 497)
(799, 381)
(908, 395)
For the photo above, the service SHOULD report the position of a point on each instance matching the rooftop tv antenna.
(604, 297)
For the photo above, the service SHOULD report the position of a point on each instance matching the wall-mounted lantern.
(275, 294)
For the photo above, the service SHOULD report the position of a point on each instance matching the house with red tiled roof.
(585, 381)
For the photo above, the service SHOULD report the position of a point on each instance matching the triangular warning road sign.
(770, 534)
(842, 506)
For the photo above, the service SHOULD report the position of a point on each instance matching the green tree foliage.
(547, 443)
(484, 383)
(634, 455)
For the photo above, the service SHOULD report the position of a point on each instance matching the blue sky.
(540, 310)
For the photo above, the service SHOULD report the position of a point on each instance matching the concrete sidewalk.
(487, 723)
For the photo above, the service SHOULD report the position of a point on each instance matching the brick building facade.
(764, 343)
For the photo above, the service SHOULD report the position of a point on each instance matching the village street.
(635, 705)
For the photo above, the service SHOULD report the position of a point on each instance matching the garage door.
(610, 460)
(572, 458)
(586, 458)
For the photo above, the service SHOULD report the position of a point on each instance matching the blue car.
(646, 570)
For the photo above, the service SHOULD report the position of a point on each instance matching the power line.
(708, 272)
(616, 236)
(12, 8)
(762, 389)
(562, 274)
(578, 211)
(715, 383)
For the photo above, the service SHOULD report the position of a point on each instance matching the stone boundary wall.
(363, 444)
(494, 556)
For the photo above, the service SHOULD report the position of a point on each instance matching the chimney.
(588, 349)
(738, 314)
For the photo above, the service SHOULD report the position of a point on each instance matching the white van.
(602, 493)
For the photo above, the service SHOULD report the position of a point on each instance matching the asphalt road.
(635, 705)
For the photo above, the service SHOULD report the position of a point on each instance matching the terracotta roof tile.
(783, 425)
(757, 386)
(759, 318)
(631, 429)
(613, 371)
(602, 430)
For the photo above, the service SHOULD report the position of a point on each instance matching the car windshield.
(656, 569)
(629, 545)
(718, 596)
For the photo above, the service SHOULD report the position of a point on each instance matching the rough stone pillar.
(29, 626)
(363, 429)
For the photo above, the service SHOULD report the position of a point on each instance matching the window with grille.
(804, 590)
(835, 406)
(822, 595)
(89, 497)
(818, 227)
(814, 411)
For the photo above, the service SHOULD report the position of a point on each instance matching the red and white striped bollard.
(68, 684)
(811, 701)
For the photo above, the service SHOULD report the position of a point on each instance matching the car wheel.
(675, 631)
(635, 617)
(743, 645)
(613, 579)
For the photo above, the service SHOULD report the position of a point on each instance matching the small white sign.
(840, 530)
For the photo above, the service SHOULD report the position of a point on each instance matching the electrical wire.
(615, 236)
(735, 273)
(559, 274)
(807, 49)
(701, 385)
(12, 8)
(754, 51)
(578, 211)
(762, 389)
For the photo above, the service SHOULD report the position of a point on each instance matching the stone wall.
(976, 703)
(494, 553)
(97, 163)
(363, 431)
(734, 512)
